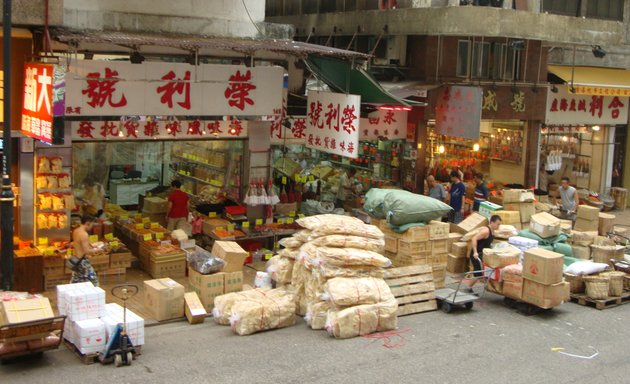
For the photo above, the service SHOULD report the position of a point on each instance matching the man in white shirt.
(569, 199)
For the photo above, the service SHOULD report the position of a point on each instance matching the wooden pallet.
(92, 358)
(413, 288)
(582, 299)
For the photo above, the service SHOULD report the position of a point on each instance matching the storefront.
(578, 140)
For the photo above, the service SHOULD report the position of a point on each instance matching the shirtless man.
(83, 250)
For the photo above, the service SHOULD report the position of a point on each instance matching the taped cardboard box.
(84, 303)
(21, 311)
(501, 257)
(164, 299)
(513, 286)
(518, 196)
(438, 230)
(232, 253)
(471, 223)
(452, 239)
(587, 212)
(194, 310)
(232, 281)
(542, 266)
(207, 287)
(545, 296)
(456, 265)
(459, 249)
(439, 246)
(509, 217)
(545, 225)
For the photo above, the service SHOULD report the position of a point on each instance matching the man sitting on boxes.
(481, 241)
(569, 200)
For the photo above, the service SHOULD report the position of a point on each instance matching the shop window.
(605, 9)
(463, 53)
(481, 60)
(512, 64)
(497, 60)
(291, 7)
(309, 7)
(562, 7)
(273, 8)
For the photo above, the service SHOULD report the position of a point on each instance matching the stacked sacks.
(338, 277)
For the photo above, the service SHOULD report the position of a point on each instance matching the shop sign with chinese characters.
(564, 107)
(105, 88)
(154, 130)
(458, 111)
(37, 116)
(333, 122)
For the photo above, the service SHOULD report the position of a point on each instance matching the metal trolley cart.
(453, 295)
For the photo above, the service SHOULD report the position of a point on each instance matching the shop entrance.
(619, 155)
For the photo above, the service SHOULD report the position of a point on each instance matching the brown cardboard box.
(472, 222)
(232, 282)
(545, 225)
(513, 286)
(542, 266)
(584, 225)
(509, 217)
(207, 287)
(495, 286)
(209, 225)
(232, 253)
(566, 226)
(438, 230)
(527, 210)
(391, 244)
(517, 196)
(412, 248)
(545, 296)
(587, 212)
(606, 223)
(501, 257)
(439, 246)
(155, 205)
(164, 299)
(459, 249)
(416, 234)
(454, 238)
(195, 312)
(456, 264)
(581, 252)
(21, 311)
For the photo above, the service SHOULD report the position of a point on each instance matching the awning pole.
(6, 195)
(572, 89)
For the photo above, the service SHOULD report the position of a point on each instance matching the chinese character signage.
(564, 107)
(458, 111)
(37, 107)
(601, 91)
(391, 125)
(105, 88)
(153, 130)
(333, 122)
(294, 132)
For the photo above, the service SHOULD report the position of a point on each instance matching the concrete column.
(583, 8)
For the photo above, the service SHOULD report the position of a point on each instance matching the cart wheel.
(469, 305)
(118, 360)
(129, 358)
(446, 307)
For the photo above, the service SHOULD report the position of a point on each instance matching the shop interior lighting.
(598, 52)
(393, 108)
(441, 149)
(565, 138)
(419, 145)
(595, 128)
(476, 147)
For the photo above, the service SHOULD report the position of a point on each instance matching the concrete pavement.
(490, 344)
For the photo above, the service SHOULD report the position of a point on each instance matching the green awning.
(344, 77)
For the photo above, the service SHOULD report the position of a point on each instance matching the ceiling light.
(595, 128)
(476, 147)
(441, 149)
(598, 52)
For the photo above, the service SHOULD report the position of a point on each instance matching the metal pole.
(6, 195)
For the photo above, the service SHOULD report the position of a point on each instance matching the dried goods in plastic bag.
(351, 291)
(316, 314)
(362, 320)
(263, 314)
(343, 257)
(280, 269)
(340, 241)
(291, 243)
(223, 304)
(330, 224)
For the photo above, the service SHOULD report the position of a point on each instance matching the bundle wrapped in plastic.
(289, 253)
(314, 287)
(223, 304)
(343, 257)
(330, 272)
(340, 241)
(300, 274)
(280, 269)
(263, 314)
(323, 225)
(362, 319)
(316, 314)
(290, 242)
(203, 262)
(348, 291)
(302, 236)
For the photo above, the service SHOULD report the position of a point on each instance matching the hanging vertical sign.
(37, 114)
(333, 123)
(458, 112)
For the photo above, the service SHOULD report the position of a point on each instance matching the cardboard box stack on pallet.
(543, 283)
(522, 201)
(421, 245)
(230, 279)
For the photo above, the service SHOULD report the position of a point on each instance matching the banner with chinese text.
(391, 125)
(564, 107)
(106, 88)
(154, 130)
(333, 123)
(37, 116)
(458, 112)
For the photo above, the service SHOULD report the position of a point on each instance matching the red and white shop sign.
(333, 123)
(38, 101)
(564, 107)
(105, 88)
(157, 130)
(295, 133)
(391, 125)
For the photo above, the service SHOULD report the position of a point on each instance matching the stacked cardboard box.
(587, 219)
(471, 223)
(543, 283)
(134, 325)
(167, 261)
(164, 299)
(545, 225)
(194, 310)
(458, 258)
(520, 200)
(512, 218)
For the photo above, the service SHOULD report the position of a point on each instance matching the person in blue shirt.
(481, 191)
(458, 196)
